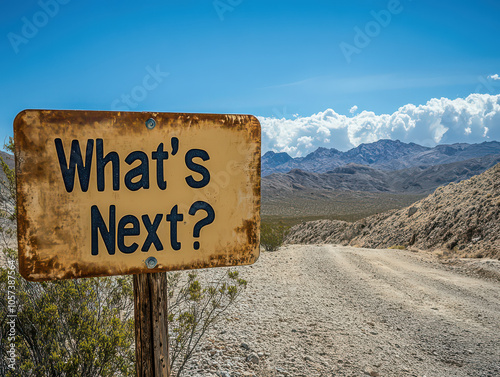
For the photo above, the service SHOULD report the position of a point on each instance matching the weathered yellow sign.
(114, 193)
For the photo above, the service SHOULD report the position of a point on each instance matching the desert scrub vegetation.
(81, 327)
(196, 302)
(85, 327)
(347, 206)
(272, 235)
(398, 247)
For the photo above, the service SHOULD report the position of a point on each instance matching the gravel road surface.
(340, 311)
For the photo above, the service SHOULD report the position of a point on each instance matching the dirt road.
(338, 311)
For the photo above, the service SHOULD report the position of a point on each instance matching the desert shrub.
(81, 327)
(272, 235)
(398, 247)
(196, 302)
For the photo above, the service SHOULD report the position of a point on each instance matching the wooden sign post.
(116, 193)
(151, 325)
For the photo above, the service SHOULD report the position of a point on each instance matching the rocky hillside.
(383, 154)
(460, 219)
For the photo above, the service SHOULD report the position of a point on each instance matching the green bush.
(81, 327)
(398, 247)
(272, 235)
(197, 300)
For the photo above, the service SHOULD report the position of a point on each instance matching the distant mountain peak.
(322, 152)
(273, 159)
(385, 154)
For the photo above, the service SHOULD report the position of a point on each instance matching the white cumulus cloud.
(441, 120)
(353, 109)
(494, 77)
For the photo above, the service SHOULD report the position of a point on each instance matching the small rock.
(282, 371)
(412, 211)
(244, 346)
(309, 358)
(253, 358)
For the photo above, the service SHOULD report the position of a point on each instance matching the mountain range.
(355, 177)
(366, 180)
(382, 155)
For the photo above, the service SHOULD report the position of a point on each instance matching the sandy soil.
(339, 311)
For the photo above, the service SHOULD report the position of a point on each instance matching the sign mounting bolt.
(150, 123)
(151, 262)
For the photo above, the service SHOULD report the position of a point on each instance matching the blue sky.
(273, 59)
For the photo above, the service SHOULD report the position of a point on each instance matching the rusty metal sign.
(115, 193)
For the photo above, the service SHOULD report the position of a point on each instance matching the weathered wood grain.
(151, 327)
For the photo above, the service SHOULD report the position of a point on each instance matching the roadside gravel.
(324, 310)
